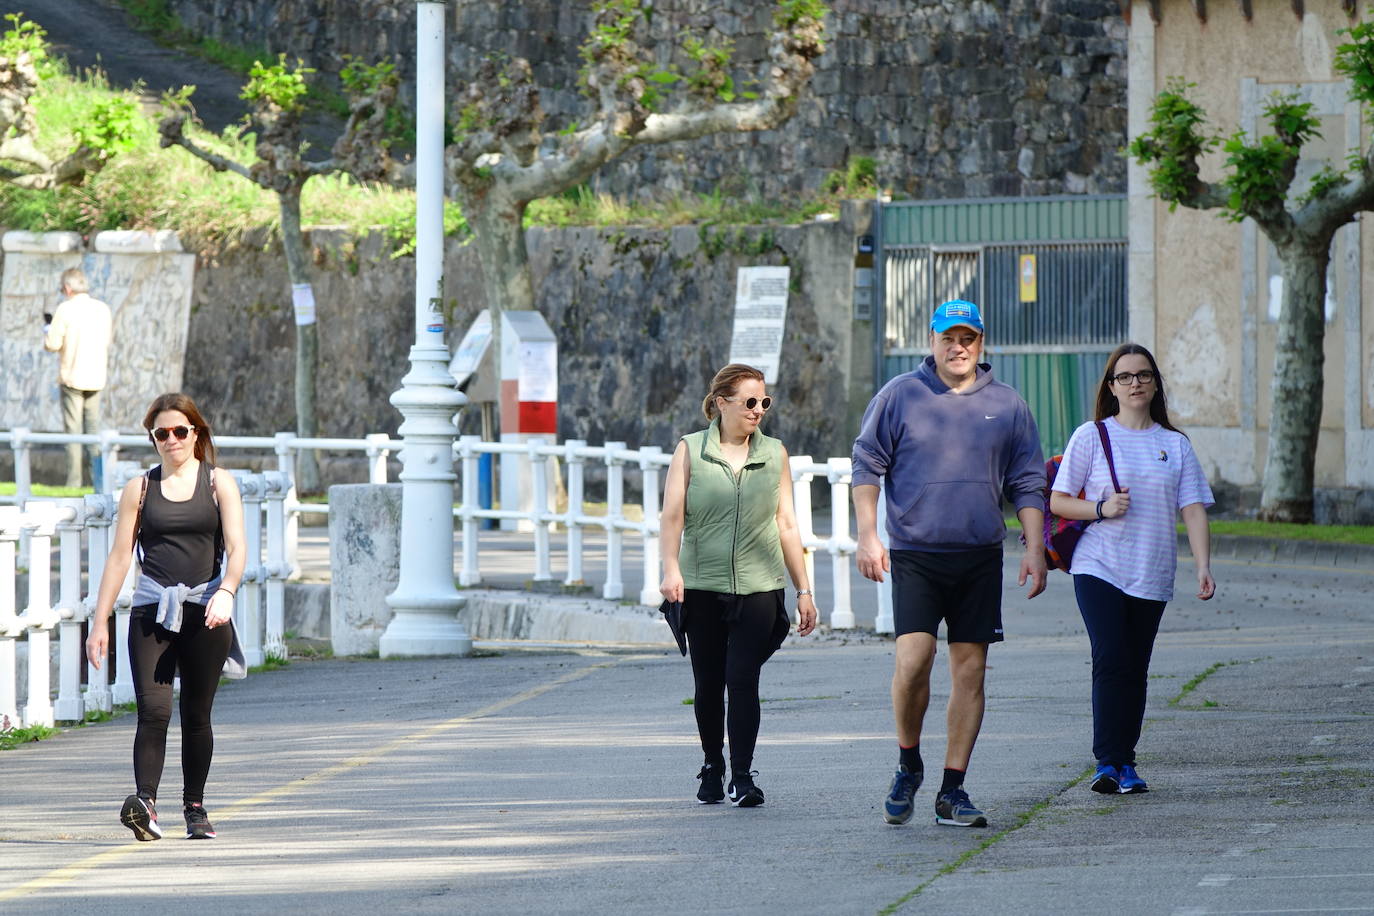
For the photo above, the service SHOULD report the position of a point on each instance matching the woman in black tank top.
(185, 519)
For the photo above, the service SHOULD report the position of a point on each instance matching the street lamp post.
(426, 603)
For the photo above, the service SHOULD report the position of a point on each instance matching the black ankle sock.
(953, 780)
(910, 757)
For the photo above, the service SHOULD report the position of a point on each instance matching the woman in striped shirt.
(1123, 566)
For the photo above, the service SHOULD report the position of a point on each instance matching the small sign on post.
(760, 316)
(1029, 284)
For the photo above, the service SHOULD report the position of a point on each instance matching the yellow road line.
(67, 873)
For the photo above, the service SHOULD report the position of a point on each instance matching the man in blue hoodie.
(949, 443)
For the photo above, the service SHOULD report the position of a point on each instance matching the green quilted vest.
(730, 536)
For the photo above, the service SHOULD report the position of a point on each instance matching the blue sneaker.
(897, 807)
(955, 810)
(1131, 783)
(1107, 779)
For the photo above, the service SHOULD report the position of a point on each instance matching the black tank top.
(180, 540)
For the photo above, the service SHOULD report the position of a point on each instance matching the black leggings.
(157, 655)
(729, 655)
(1122, 631)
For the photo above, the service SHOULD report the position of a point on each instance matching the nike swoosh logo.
(986, 417)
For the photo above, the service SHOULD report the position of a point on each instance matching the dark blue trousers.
(1122, 631)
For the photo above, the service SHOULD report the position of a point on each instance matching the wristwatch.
(804, 591)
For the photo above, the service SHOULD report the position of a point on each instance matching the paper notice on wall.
(303, 301)
(760, 316)
(538, 379)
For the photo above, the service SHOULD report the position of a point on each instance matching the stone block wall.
(953, 98)
(643, 319)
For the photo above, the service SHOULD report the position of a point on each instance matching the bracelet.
(1100, 516)
(804, 591)
(231, 594)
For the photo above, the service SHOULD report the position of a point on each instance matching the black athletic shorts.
(962, 588)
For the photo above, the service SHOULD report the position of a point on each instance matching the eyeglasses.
(162, 432)
(1144, 377)
(751, 403)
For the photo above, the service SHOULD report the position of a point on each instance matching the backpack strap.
(138, 515)
(1107, 450)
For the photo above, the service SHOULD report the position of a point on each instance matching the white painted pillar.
(471, 572)
(276, 489)
(100, 509)
(70, 706)
(842, 617)
(539, 510)
(615, 507)
(42, 516)
(425, 602)
(9, 667)
(576, 466)
(649, 594)
(802, 508)
(248, 606)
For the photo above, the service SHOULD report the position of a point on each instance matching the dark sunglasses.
(162, 432)
(751, 403)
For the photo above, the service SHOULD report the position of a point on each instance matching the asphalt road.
(561, 782)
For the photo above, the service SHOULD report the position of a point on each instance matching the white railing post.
(802, 508)
(42, 522)
(109, 455)
(277, 489)
(248, 606)
(100, 509)
(615, 507)
(377, 454)
(123, 689)
(9, 618)
(286, 464)
(70, 707)
(471, 573)
(540, 517)
(884, 622)
(842, 617)
(577, 464)
(23, 478)
(648, 464)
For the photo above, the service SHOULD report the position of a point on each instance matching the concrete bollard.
(364, 562)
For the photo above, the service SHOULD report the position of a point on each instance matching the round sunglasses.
(161, 433)
(751, 403)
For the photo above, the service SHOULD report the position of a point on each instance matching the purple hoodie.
(948, 458)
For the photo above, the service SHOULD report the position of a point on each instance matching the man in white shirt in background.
(80, 330)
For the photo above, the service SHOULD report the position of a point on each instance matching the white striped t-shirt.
(1136, 552)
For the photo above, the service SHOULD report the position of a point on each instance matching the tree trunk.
(1296, 410)
(499, 234)
(307, 338)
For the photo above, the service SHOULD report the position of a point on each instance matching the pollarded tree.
(1301, 222)
(107, 129)
(277, 95)
(501, 159)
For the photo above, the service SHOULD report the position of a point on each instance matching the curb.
(1275, 550)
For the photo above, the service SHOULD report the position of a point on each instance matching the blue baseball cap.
(955, 313)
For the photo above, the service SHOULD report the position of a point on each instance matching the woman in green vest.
(728, 530)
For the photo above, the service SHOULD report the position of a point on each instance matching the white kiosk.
(529, 402)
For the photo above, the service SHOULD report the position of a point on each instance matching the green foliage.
(278, 84)
(111, 127)
(792, 12)
(362, 79)
(859, 178)
(1258, 173)
(11, 738)
(400, 229)
(1174, 142)
(27, 36)
(1321, 183)
(1293, 121)
(1355, 61)
(153, 15)
(710, 76)
(615, 23)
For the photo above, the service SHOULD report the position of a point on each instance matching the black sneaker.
(139, 815)
(897, 807)
(712, 790)
(198, 823)
(744, 793)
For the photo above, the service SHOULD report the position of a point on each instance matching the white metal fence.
(271, 511)
(259, 611)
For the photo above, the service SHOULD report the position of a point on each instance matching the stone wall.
(953, 98)
(643, 319)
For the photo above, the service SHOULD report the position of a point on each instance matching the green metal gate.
(1053, 346)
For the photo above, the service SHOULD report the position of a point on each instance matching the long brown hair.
(1107, 404)
(205, 445)
(725, 384)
